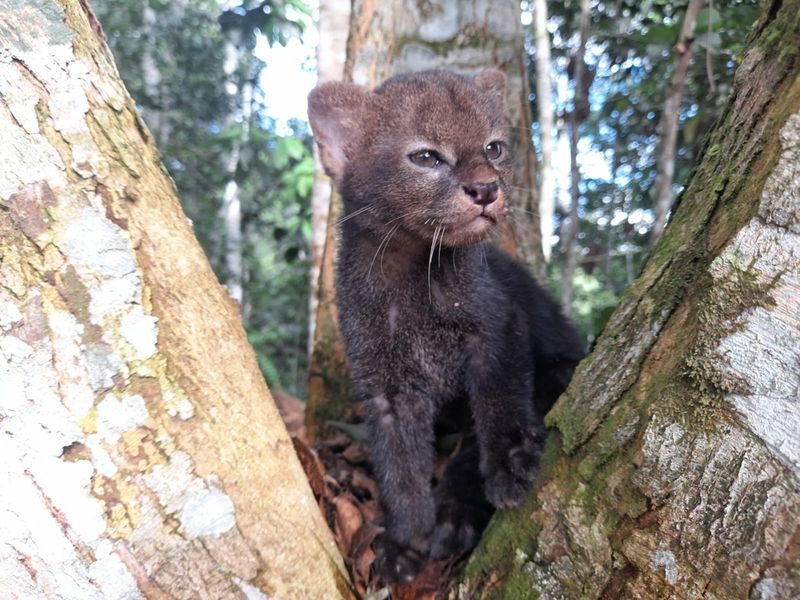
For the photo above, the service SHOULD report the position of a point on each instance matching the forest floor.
(340, 475)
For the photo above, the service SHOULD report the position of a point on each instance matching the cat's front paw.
(458, 528)
(395, 563)
(508, 482)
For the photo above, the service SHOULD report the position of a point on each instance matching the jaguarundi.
(434, 318)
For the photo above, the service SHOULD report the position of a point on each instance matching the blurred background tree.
(196, 70)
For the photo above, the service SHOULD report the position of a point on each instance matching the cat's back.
(550, 331)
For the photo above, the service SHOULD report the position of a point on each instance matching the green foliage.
(592, 303)
(278, 238)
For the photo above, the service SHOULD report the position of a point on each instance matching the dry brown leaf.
(370, 510)
(356, 453)
(348, 522)
(360, 480)
(314, 470)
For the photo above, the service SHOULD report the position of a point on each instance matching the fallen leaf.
(361, 481)
(312, 466)
(348, 522)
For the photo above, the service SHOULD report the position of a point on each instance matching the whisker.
(515, 220)
(385, 239)
(517, 209)
(430, 259)
(415, 211)
(355, 213)
(383, 253)
(441, 241)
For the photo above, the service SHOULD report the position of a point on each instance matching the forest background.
(198, 71)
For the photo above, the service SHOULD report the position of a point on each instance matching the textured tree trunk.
(675, 468)
(544, 101)
(142, 455)
(389, 38)
(668, 125)
(156, 115)
(580, 107)
(240, 94)
(334, 25)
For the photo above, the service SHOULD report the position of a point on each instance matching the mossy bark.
(674, 467)
(142, 455)
(389, 38)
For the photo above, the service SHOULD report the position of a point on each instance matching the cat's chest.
(414, 329)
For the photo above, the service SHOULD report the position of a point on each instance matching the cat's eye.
(494, 150)
(426, 158)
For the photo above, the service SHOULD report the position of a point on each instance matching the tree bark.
(580, 107)
(334, 21)
(390, 38)
(240, 97)
(668, 125)
(156, 114)
(544, 101)
(142, 453)
(675, 468)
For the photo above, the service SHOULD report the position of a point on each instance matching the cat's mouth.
(473, 223)
(491, 218)
(472, 231)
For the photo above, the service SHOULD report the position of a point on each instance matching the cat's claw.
(457, 530)
(508, 483)
(395, 563)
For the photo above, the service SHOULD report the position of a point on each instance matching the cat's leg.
(462, 510)
(510, 433)
(401, 448)
(553, 378)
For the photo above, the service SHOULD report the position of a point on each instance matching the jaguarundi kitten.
(435, 319)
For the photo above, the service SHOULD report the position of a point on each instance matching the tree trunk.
(142, 455)
(240, 96)
(668, 125)
(675, 468)
(544, 101)
(395, 37)
(156, 114)
(334, 20)
(579, 112)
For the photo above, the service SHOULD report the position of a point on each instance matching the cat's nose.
(481, 193)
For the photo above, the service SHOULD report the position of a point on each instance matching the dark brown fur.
(433, 318)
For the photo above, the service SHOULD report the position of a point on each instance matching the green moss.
(509, 532)
(331, 394)
(518, 586)
(781, 34)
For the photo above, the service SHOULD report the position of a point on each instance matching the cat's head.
(427, 151)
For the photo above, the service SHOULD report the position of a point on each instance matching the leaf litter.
(340, 475)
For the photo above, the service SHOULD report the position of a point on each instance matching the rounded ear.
(492, 81)
(335, 112)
